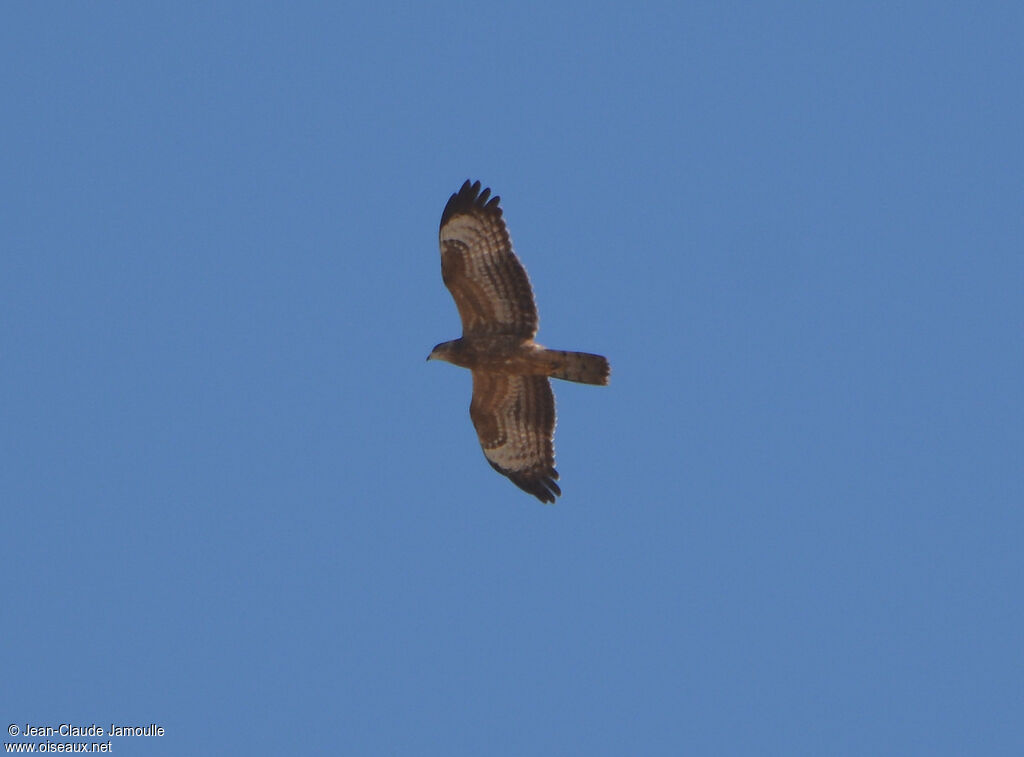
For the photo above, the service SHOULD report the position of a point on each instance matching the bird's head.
(443, 351)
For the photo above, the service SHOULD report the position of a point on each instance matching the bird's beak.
(430, 356)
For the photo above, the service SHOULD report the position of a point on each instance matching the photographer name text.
(92, 730)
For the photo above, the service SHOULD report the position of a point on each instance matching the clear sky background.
(239, 504)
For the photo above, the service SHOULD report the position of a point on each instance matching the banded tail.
(578, 366)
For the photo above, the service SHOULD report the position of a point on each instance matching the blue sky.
(241, 506)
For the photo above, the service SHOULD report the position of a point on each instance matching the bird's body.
(524, 357)
(513, 408)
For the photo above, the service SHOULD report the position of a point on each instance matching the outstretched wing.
(514, 417)
(480, 269)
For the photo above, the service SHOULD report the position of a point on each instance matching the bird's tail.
(578, 366)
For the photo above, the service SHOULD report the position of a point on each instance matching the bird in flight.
(513, 408)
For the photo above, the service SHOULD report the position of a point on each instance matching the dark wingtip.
(468, 197)
(541, 484)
